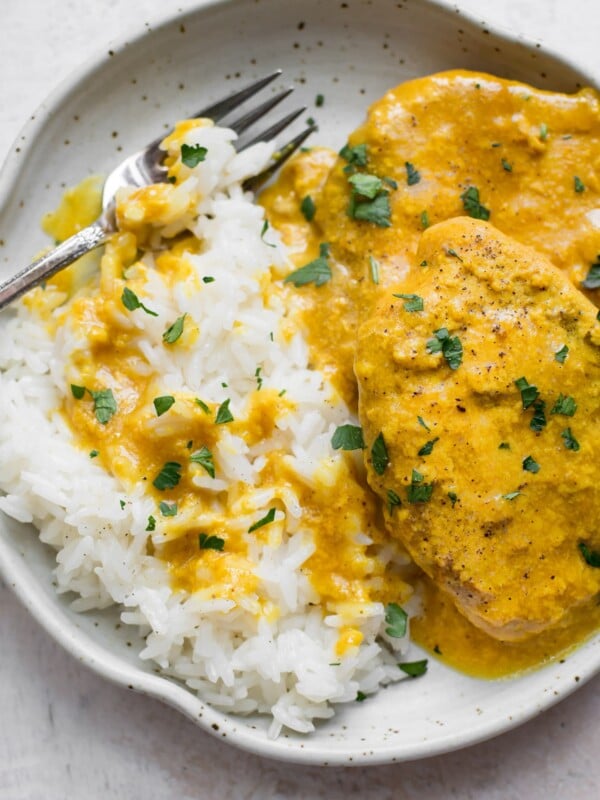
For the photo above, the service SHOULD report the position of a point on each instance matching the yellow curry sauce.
(522, 150)
(448, 635)
(501, 487)
(337, 504)
(519, 147)
(532, 158)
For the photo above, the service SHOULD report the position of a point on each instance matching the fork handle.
(60, 257)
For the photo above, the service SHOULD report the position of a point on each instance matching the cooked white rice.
(235, 658)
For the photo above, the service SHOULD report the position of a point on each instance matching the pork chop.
(479, 396)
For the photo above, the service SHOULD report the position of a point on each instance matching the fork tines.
(223, 108)
(220, 109)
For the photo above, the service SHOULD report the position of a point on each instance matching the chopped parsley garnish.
(379, 455)
(355, 156)
(453, 498)
(578, 184)
(365, 185)
(266, 520)
(94, 453)
(374, 269)
(504, 446)
(414, 668)
(413, 302)
(450, 252)
(77, 391)
(570, 441)
(471, 204)
(427, 448)
(412, 175)
(530, 465)
(393, 500)
(224, 415)
(163, 404)
(264, 229)
(317, 271)
(506, 165)
(565, 405)
(205, 458)
(208, 279)
(308, 208)
(168, 477)
(529, 392)
(259, 380)
(424, 219)
(396, 619)
(543, 131)
(192, 155)
(151, 526)
(390, 182)
(167, 509)
(449, 346)
(174, 331)
(423, 424)
(348, 437)
(131, 302)
(122, 503)
(202, 405)
(510, 495)
(206, 542)
(319, 100)
(538, 421)
(105, 405)
(417, 491)
(561, 354)
(377, 211)
(591, 557)
(360, 696)
(592, 279)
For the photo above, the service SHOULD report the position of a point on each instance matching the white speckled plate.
(350, 52)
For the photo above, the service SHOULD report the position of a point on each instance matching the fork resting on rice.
(147, 167)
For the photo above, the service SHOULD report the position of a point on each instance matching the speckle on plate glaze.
(448, 710)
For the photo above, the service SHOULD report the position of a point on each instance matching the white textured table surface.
(64, 732)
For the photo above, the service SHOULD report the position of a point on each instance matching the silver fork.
(145, 167)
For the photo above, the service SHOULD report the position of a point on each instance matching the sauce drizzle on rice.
(296, 570)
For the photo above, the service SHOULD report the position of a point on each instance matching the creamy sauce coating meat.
(444, 145)
(500, 515)
(441, 147)
(486, 400)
